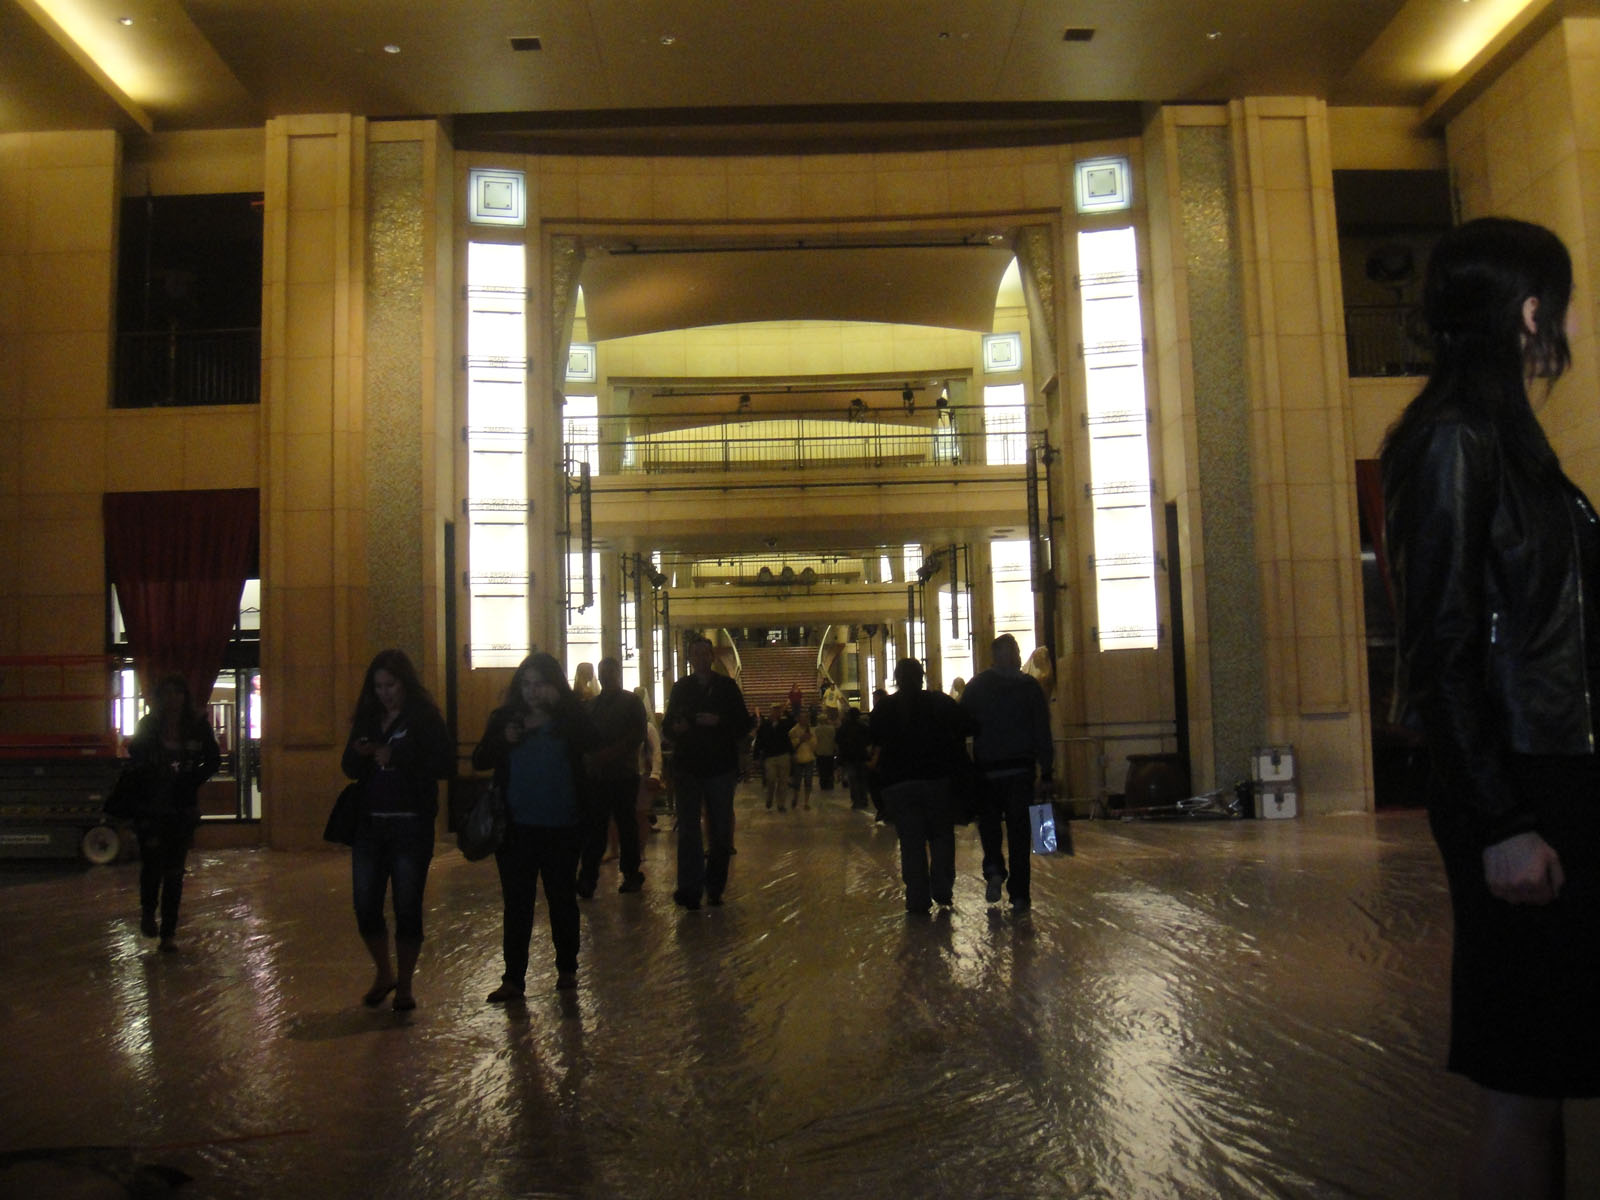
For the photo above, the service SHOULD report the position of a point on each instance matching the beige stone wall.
(1306, 539)
(1529, 147)
(64, 446)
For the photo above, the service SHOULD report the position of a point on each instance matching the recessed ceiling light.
(526, 43)
(1213, 35)
(124, 20)
(391, 48)
(668, 39)
(1077, 33)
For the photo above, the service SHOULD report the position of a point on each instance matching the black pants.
(163, 849)
(528, 854)
(920, 809)
(825, 771)
(1006, 803)
(614, 800)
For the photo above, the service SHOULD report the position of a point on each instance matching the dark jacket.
(618, 719)
(1489, 598)
(772, 737)
(921, 735)
(493, 752)
(169, 780)
(710, 747)
(854, 740)
(1011, 708)
(573, 726)
(420, 751)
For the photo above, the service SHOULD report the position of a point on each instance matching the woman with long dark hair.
(1495, 559)
(534, 744)
(174, 751)
(398, 749)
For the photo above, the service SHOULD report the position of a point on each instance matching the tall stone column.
(356, 414)
(1249, 331)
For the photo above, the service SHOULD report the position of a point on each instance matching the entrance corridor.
(1248, 1009)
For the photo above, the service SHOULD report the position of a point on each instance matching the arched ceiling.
(629, 291)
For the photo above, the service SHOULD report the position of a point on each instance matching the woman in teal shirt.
(534, 743)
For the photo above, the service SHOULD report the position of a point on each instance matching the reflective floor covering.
(1190, 1010)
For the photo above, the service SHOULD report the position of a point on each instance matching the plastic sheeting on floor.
(1252, 1009)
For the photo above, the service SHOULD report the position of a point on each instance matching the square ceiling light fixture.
(497, 197)
(581, 365)
(1103, 185)
(1002, 353)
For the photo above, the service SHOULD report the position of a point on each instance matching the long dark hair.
(369, 709)
(1479, 277)
(547, 669)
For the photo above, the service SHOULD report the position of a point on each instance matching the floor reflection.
(1244, 1009)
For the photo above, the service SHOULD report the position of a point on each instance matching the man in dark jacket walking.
(706, 720)
(1015, 755)
(921, 738)
(613, 769)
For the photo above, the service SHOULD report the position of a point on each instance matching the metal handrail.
(971, 435)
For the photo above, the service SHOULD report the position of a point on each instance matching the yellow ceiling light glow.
(116, 50)
(1473, 26)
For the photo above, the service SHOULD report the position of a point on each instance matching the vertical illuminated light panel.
(955, 649)
(1119, 451)
(583, 623)
(1005, 425)
(497, 452)
(1012, 564)
(580, 430)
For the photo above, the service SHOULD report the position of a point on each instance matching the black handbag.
(341, 827)
(127, 796)
(484, 829)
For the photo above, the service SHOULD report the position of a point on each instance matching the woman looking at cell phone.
(534, 744)
(398, 750)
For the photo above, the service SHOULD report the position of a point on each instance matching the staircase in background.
(768, 672)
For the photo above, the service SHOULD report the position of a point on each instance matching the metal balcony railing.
(972, 435)
(1383, 340)
(188, 367)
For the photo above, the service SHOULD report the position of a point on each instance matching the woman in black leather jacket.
(1495, 559)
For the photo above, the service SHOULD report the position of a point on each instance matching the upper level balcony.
(812, 442)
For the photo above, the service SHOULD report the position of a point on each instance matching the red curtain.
(179, 561)
(1369, 494)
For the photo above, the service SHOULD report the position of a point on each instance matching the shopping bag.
(1052, 834)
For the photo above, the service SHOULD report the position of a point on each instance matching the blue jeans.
(704, 870)
(391, 848)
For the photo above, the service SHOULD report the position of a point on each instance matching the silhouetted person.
(706, 719)
(921, 738)
(618, 718)
(173, 750)
(1014, 754)
(398, 749)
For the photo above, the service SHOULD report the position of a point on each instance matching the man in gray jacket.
(1014, 752)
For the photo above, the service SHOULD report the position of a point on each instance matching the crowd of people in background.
(580, 767)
